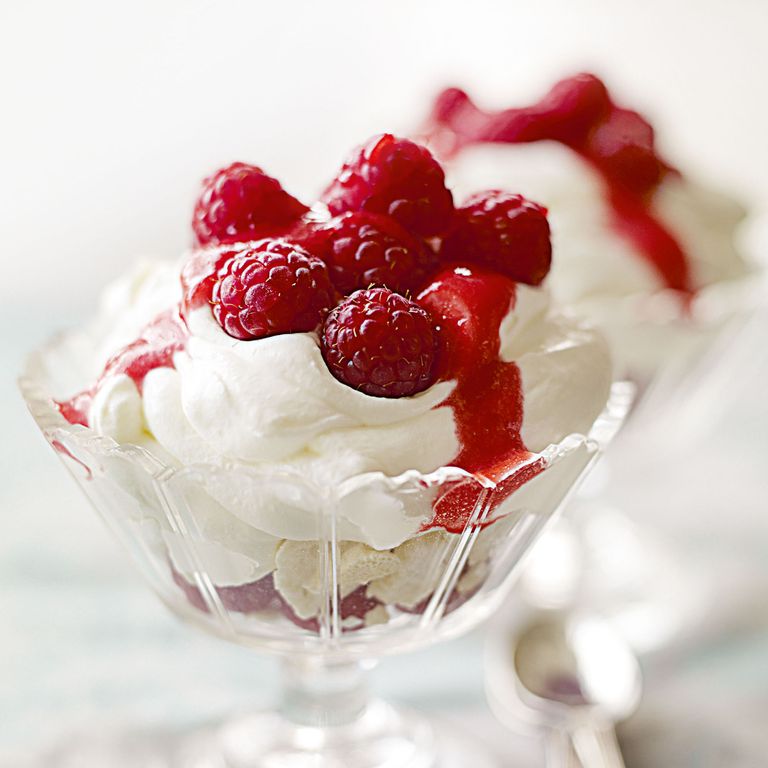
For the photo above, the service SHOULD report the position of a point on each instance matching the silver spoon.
(573, 676)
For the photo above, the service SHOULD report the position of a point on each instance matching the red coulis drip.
(155, 347)
(161, 338)
(618, 143)
(199, 274)
(468, 305)
(75, 410)
(64, 451)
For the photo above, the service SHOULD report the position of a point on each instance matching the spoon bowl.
(573, 676)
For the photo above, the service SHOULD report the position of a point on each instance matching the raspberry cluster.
(391, 224)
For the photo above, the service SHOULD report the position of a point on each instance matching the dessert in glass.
(332, 433)
(645, 252)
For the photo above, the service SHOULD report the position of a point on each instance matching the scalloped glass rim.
(53, 425)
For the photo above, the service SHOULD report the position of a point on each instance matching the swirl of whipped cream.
(592, 258)
(275, 398)
(272, 409)
(598, 273)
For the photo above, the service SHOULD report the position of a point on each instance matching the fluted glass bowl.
(324, 602)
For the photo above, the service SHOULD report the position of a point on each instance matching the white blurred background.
(110, 114)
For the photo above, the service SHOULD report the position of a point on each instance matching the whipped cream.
(275, 400)
(596, 272)
(289, 439)
(129, 303)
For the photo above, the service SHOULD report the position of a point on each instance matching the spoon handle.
(597, 746)
(559, 749)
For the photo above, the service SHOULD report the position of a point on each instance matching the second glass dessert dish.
(655, 260)
(647, 252)
(332, 434)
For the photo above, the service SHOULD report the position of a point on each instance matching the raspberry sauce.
(262, 595)
(155, 347)
(617, 143)
(162, 337)
(468, 305)
(64, 451)
(199, 273)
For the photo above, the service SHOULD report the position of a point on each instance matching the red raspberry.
(570, 110)
(199, 275)
(362, 249)
(623, 146)
(503, 232)
(158, 341)
(396, 177)
(239, 203)
(269, 288)
(380, 343)
(449, 104)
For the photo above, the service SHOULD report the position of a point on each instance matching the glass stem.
(319, 694)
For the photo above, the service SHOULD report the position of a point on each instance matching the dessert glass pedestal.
(210, 574)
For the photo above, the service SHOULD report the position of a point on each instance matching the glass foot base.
(382, 738)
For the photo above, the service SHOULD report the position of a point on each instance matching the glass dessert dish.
(332, 433)
(434, 586)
